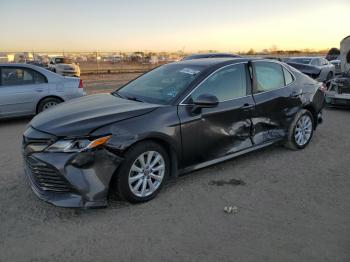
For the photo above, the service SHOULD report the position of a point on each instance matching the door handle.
(247, 106)
(39, 89)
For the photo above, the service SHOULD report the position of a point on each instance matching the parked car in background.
(28, 89)
(338, 93)
(317, 68)
(174, 119)
(210, 55)
(64, 66)
(337, 66)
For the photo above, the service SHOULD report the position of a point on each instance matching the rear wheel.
(48, 103)
(143, 172)
(300, 131)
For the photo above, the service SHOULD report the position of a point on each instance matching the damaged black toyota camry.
(174, 119)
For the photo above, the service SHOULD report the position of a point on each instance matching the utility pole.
(97, 63)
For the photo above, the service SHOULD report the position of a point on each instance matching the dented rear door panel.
(273, 113)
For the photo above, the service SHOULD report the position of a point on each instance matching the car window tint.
(226, 84)
(39, 78)
(269, 76)
(16, 76)
(288, 78)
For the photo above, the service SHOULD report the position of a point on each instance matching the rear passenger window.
(16, 76)
(39, 78)
(268, 76)
(13, 76)
(288, 78)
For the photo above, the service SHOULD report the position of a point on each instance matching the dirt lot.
(97, 83)
(294, 206)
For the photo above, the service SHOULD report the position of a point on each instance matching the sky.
(171, 25)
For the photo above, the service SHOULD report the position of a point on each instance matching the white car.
(337, 65)
(28, 89)
(64, 66)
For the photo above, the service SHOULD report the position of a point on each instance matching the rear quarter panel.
(66, 88)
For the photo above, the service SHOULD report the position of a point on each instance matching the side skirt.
(224, 158)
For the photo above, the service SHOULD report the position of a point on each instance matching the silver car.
(317, 68)
(337, 65)
(27, 89)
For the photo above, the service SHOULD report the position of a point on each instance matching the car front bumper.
(68, 73)
(72, 179)
(338, 99)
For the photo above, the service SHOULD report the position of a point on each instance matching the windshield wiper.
(116, 93)
(133, 98)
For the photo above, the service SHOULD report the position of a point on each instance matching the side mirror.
(206, 101)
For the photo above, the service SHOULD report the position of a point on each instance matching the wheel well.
(169, 150)
(313, 112)
(37, 105)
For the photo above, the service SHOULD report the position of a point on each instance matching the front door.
(210, 133)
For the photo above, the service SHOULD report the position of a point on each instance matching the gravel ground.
(97, 83)
(292, 206)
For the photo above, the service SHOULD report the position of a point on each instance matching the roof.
(210, 55)
(20, 65)
(213, 61)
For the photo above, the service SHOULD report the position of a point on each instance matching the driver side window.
(226, 84)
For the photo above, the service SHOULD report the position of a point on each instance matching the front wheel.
(301, 130)
(143, 172)
(48, 103)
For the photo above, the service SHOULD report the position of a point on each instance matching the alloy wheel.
(303, 130)
(146, 173)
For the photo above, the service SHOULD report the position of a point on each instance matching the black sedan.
(174, 119)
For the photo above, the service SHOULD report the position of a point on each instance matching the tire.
(128, 179)
(303, 120)
(48, 103)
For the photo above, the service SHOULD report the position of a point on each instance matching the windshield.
(161, 85)
(304, 61)
(64, 60)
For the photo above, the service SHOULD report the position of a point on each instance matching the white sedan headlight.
(76, 145)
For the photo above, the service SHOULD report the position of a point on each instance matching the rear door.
(211, 133)
(277, 100)
(21, 89)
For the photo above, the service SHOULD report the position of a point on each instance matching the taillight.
(81, 85)
(323, 87)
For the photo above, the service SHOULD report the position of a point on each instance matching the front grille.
(46, 177)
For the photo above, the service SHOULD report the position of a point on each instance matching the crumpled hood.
(78, 117)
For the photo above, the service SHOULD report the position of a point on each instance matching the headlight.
(77, 145)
